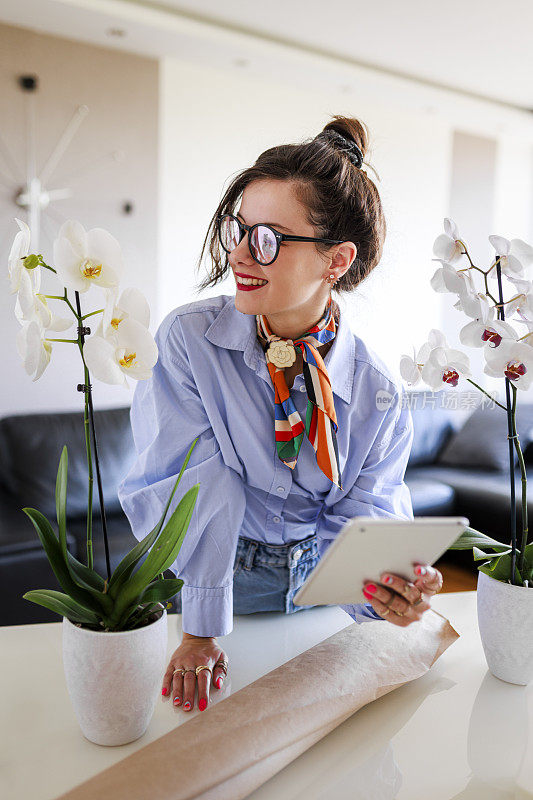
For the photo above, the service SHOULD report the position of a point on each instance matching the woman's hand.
(405, 594)
(191, 653)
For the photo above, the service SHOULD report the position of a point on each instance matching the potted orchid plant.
(114, 626)
(504, 604)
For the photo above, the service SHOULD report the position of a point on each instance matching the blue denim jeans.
(267, 576)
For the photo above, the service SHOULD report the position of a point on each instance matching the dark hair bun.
(345, 145)
(353, 131)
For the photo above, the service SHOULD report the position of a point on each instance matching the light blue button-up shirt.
(211, 381)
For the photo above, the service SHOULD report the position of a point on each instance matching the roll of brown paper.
(236, 745)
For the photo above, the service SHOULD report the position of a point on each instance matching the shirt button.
(280, 489)
(297, 554)
(302, 388)
(276, 519)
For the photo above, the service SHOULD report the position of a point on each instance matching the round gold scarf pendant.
(281, 354)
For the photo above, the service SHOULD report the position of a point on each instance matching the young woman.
(300, 425)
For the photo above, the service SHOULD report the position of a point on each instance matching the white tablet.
(366, 547)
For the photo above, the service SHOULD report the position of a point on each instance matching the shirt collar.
(237, 331)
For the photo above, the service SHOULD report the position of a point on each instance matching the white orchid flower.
(516, 256)
(446, 246)
(445, 366)
(411, 368)
(83, 258)
(513, 360)
(435, 338)
(131, 304)
(133, 353)
(437, 280)
(486, 330)
(40, 311)
(460, 282)
(473, 305)
(523, 303)
(528, 337)
(448, 279)
(34, 350)
(22, 279)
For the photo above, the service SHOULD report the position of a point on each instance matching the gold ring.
(204, 666)
(180, 669)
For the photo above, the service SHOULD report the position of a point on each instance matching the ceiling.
(481, 48)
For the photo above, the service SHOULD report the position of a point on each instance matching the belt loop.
(249, 556)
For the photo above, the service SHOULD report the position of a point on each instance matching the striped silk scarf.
(321, 420)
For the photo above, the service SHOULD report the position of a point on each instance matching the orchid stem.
(484, 392)
(511, 432)
(89, 417)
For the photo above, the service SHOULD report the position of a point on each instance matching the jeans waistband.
(254, 552)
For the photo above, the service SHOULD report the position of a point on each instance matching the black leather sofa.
(31, 444)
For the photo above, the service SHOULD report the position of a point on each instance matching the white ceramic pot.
(114, 678)
(505, 619)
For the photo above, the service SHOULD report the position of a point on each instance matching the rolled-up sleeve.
(167, 415)
(379, 490)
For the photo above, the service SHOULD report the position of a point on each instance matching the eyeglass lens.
(262, 241)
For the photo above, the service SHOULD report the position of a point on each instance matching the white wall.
(213, 123)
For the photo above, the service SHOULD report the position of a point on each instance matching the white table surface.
(456, 732)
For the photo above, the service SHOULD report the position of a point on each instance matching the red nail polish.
(202, 704)
(370, 588)
(164, 691)
(219, 681)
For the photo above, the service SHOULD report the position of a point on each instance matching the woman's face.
(296, 293)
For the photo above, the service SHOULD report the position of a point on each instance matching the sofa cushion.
(482, 496)
(436, 416)
(430, 497)
(30, 449)
(482, 441)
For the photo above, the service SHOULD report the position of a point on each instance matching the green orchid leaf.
(479, 554)
(168, 545)
(125, 568)
(91, 581)
(58, 563)
(83, 576)
(134, 620)
(500, 570)
(62, 604)
(161, 556)
(61, 500)
(527, 570)
(470, 538)
(159, 591)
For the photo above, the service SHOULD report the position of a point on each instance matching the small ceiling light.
(115, 32)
